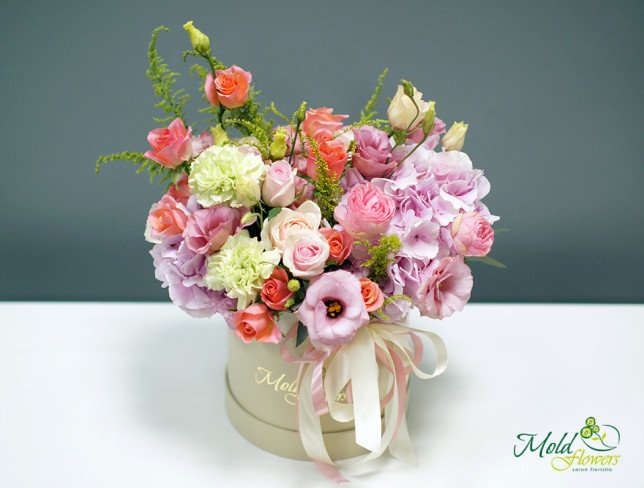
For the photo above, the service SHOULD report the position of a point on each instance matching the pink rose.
(322, 120)
(371, 295)
(275, 291)
(303, 191)
(180, 190)
(278, 188)
(256, 322)
(209, 229)
(334, 153)
(373, 152)
(333, 309)
(171, 146)
(367, 212)
(277, 230)
(305, 253)
(230, 87)
(446, 290)
(473, 235)
(340, 244)
(167, 218)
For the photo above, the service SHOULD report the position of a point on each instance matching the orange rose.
(230, 87)
(371, 294)
(256, 322)
(335, 155)
(340, 244)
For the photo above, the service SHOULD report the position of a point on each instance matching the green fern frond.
(163, 78)
(273, 108)
(380, 255)
(369, 111)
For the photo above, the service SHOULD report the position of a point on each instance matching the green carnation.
(226, 174)
(240, 267)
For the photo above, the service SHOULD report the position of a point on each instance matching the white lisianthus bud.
(198, 39)
(430, 118)
(402, 112)
(455, 137)
(219, 135)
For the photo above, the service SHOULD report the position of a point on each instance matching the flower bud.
(293, 285)
(430, 118)
(455, 137)
(219, 135)
(408, 88)
(198, 39)
(301, 112)
(248, 218)
(289, 303)
(278, 147)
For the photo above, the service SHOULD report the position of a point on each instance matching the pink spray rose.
(373, 152)
(278, 188)
(167, 219)
(230, 87)
(171, 146)
(275, 291)
(334, 153)
(367, 212)
(201, 142)
(320, 120)
(371, 295)
(340, 244)
(446, 290)
(256, 322)
(473, 235)
(333, 309)
(180, 191)
(303, 191)
(209, 229)
(306, 253)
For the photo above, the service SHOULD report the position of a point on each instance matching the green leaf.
(501, 230)
(369, 111)
(486, 260)
(302, 333)
(273, 212)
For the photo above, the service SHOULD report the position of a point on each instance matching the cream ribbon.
(380, 354)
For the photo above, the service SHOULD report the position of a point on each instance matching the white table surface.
(131, 395)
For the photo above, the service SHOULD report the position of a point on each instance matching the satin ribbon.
(380, 355)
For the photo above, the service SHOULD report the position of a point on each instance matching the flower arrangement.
(345, 227)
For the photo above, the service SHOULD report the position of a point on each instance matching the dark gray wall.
(552, 91)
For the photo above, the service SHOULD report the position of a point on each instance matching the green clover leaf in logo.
(594, 438)
(586, 432)
(590, 421)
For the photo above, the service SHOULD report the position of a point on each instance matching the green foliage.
(369, 111)
(486, 260)
(399, 135)
(379, 260)
(327, 191)
(143, 164)
(302, 333)
(163, 78)
(272, 108)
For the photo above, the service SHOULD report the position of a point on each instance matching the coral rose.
(180, 190)
(275, 291)
(171, 145)
(230, 87)
(322, 120)
(167, 219)
(334, 154)
(371, 294)
(256, 322)
(340, 244)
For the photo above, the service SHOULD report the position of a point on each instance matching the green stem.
(414, 149)
(297, 131)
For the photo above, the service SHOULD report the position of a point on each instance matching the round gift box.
(260, 403)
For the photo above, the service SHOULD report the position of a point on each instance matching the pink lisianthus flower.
(171, 145)
(229, 88)
(167, 219)
(373, 152)
(256, 322)
(447, 288)
(367, 211)
(320, 120)
(333, 309)
(472, 234)
(201, 142)
(207, 230)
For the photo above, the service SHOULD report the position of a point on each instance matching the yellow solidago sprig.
(240, 267)
(380, 255)
(226, 174)
(327, 190)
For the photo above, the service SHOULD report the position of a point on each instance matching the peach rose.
(275, 291)
(167, 218)
(171, 145)
(340, 244)
(473, 235)
(277, 230)
(180, 190)
(335, 155)
(230, 87)
(305, 253)
(256, 322)
(371, 294)
(322, 120)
